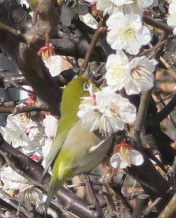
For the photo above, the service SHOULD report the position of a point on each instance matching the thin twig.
(84, 184)
(148, 210)
(109, 200)
(168, 108)
(154, 48)
(92, 45)
(171, 72)
(93, 196)
(20, 87)
(157, 201)
(11, 30)
(117, 190)
(166, 98)
(133, 195)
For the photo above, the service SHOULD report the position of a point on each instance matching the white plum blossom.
(126, 157)
(141, 72)
(30, 195)
(125, 6)
(50, 123)
(171, 20)
(111, 6)
(32, 138)
(14, 133)
(127, 32)
(45, 151)
(89, 20)
(135, 76)
(11, 179)
(18, 188)
(24, 121)
(54, 64)
(117, 70)
(106, 112)
(36, 136)
(23, 133)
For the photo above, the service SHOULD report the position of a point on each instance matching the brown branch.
(5, 80)
(140, 204)
(76, 48)
(149, 20)
(25, 54)
(141, 115)
(4, 103)
(11, 30)
(17, 110)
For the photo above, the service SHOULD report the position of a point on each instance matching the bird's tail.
(53, 188)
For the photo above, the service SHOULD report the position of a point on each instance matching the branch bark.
(24, 54)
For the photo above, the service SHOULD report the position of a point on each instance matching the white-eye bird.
(75, 149)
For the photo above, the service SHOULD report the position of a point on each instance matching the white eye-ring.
(86, 87)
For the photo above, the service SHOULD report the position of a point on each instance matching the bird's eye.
(86, 87)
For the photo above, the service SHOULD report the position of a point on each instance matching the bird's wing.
(54, 150)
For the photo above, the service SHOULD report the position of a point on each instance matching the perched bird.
(75, 149)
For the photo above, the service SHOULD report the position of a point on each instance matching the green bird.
(75, 150)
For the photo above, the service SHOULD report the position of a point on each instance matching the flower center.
(31, 194)
(124, 153)
(114, 110)
(128, 32)
(117, 71)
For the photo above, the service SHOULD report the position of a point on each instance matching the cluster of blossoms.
(28, 134)
(125, 28)
(23, 133)
(105, 110)
(17, 187)
(33, 135)
(135, 75)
